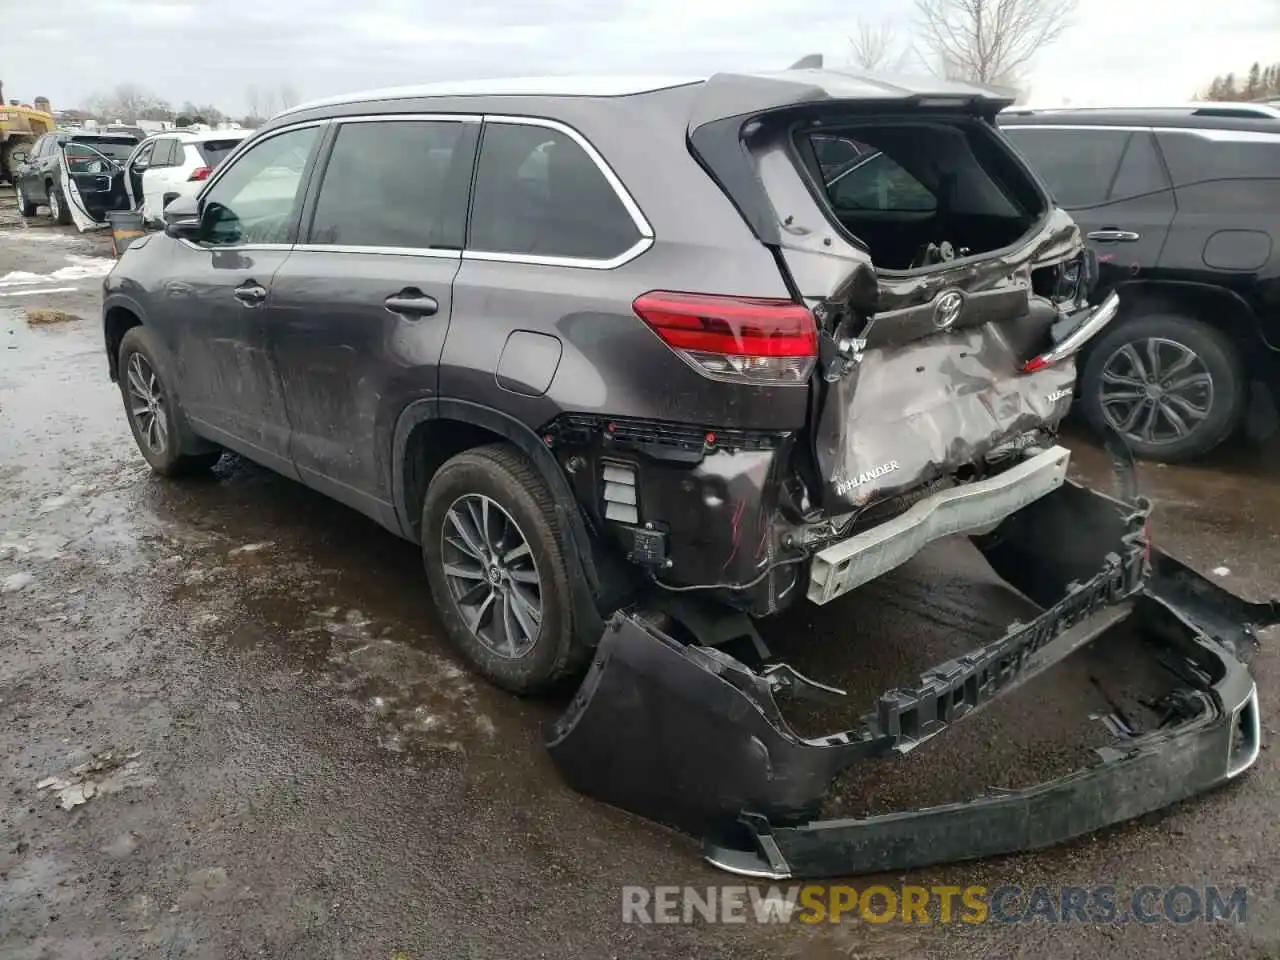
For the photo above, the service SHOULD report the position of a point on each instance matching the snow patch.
(80, 268)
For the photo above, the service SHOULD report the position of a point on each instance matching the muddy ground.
(230, 727)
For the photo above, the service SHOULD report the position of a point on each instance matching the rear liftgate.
(693, 738)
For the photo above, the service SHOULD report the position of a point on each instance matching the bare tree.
(254, 99)
(288, 96)
(990, 41)
(874, 46)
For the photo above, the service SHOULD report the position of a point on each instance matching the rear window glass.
(1220, 155)
(117, 148)
(213, 152)
(538, 193)
(875, 182)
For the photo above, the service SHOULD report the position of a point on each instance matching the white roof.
(601, 86)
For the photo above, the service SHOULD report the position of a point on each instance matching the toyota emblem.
(947, 310)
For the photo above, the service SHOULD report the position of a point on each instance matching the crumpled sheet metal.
(910, 413)
(694, 739)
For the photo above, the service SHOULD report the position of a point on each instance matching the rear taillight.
(744, 339)
(200, 173)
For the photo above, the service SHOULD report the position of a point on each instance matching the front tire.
(27, 208)
(151, 406)
(1171, 385)
(495, 558)
(58, 208)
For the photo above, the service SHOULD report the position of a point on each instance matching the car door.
(134, 169)
(360, 309)
(161, 176)
(1113, 183)
(218, 291)
(29, 178)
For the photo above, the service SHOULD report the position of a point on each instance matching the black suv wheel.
(1171, 385)
(154, 415)
(58, 208)
(495, 558)
(27, 208)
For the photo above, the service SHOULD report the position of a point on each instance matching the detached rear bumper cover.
(692, 738)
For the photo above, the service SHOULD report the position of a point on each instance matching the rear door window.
(538, 193)
(1206, 155)
(395, 183)
(166, 155)
(1078, 166)
(254, 201)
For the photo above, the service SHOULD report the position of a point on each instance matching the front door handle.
(1112, 235)
(251, 294)
(412, 303)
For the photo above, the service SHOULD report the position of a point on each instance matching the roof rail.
(1253, 109)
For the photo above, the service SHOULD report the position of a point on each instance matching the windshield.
(117, 148)
(215, 151)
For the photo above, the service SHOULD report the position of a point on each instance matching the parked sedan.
(174, 164)
(76, 174)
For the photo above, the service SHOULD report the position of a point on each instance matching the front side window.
(163, 156)
(876, 182)
(1078, 166)
(253, 202)
(538, 193)
(394, 183)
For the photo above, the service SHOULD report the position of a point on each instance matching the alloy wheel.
(55, 206)
(1156, 391)
(492, 577)
(146, 404)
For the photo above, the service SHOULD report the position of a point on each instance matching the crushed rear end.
(946, 337)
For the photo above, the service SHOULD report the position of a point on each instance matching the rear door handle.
(1112, 235)
(251, 294)
(412, 303)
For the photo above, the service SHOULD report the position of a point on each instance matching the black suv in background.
(587, 339)
(88, 161)
(1182, 206)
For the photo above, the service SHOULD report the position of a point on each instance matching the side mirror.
(18, 156)
(182, 218)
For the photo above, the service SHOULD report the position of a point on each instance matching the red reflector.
(200, 173)
(739, 326)
(1034, 364)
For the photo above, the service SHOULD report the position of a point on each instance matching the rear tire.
(58, 208)
(1173, 386)
(25, 206)
(152, 408)
(496, 560)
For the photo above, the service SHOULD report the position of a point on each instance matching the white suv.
(173, 164)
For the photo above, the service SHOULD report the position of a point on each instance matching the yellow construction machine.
(21, 124)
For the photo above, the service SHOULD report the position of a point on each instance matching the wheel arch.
(430, 431)
(120, 314)
(1212, 305)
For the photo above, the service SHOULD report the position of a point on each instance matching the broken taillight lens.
(200, 173)
(743, 339)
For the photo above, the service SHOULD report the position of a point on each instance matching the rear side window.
(213, 152)
(1220, 155)
(387, 184)
(539, 194)
(1078, 166)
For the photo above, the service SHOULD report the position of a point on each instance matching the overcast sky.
(211, 51)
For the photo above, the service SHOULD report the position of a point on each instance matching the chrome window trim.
(245, 145)
(393, 117)
(638, 218)
(439, 253)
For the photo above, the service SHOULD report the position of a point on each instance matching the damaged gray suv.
(601, 346)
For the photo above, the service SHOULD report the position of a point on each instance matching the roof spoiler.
(811, 62)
